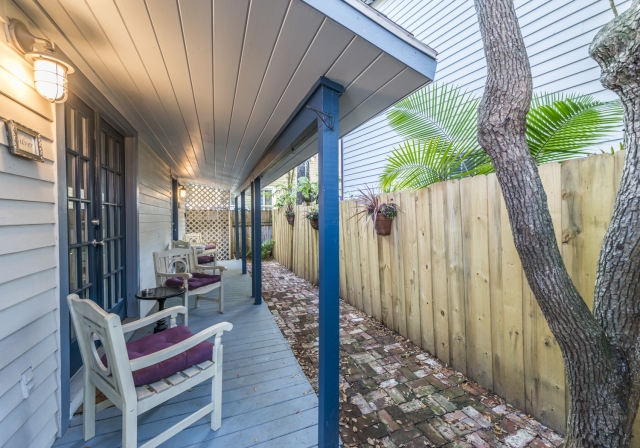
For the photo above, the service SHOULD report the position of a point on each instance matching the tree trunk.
(617, 294)
(601, 412)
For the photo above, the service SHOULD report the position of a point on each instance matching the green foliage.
(266, 248)
(313, 214)
(439, 123)
(416, 164)
(286, 199)
(308, 189)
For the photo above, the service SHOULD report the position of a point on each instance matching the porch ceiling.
(209, 84)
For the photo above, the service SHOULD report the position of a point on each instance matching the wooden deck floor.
(267, 400)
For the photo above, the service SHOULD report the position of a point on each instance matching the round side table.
(160, 294)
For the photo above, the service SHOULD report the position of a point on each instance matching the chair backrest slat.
(174, 261)
(92, 323)
(193, 238)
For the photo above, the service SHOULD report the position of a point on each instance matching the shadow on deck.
(267, 400)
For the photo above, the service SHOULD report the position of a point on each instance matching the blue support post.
(256, 226)
(237, 226)
(329, 266)
(244, 232)
(253, 240)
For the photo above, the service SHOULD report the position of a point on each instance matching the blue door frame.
(320, 109)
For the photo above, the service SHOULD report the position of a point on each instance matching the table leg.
(161, 325)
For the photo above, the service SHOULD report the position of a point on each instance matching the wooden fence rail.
(449, 277)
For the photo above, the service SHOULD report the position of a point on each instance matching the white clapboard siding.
(557, 34)
(28, 263)
(154, 186)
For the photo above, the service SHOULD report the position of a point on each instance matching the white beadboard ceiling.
(209, 84)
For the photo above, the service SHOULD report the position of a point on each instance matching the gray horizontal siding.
(557, 34)
(28, 272)
(154, 187)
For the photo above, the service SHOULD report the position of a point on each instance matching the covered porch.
(224, 94)
(267, 400)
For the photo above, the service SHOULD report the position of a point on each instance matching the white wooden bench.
(115, 377)
(183, 264)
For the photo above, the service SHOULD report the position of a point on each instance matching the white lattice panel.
(207, 211)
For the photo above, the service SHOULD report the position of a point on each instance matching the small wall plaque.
(23, 141)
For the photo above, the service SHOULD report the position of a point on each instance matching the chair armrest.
(169, 352)
(204, 266)
(181, 275)
(173, 311)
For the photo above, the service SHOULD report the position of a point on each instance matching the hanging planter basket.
(314, 223)
(291, 219)
(383, 225)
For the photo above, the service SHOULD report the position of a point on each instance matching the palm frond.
(441, 111)
(416, 164)
(562, 127)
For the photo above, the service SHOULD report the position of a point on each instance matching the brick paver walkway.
(393, 394)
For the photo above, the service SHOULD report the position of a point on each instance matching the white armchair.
(180, 267)
(135, 378)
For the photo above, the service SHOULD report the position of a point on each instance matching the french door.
(95, 212)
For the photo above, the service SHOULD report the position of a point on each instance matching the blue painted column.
(243, 218)
(253, 240)
(329, 275)
(256, 226)
(237, 215)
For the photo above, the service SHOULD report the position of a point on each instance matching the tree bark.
(600, 412)
(616, 48)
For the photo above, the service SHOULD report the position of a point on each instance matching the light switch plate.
(26, 382)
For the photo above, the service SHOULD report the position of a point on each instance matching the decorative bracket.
(326, 119)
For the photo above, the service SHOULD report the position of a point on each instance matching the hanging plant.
(290, 214)
(381, 214)
(385, 216)
(312, 216)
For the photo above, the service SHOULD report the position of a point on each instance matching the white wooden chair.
(182, 264)
(207, 258)
(196, 238)
(115, 378)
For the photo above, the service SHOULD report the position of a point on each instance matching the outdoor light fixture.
(182, 192)
(50, 73)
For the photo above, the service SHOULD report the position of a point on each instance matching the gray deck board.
(266, 399)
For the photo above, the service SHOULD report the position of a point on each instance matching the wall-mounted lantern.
(50, 73)
(182, 192)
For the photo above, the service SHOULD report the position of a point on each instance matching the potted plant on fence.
(287, 200)
(312, 216)
(382, 214)
(308, 190)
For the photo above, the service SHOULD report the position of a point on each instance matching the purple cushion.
(209, 246)
(203, 259)
(197, 281)
(158, 341)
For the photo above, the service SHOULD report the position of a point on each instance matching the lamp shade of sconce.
(182, 192)
(49, 72)
(51, 79)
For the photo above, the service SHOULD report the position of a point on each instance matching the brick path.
(393, 394)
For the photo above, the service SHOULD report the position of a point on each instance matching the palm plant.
(439, 123)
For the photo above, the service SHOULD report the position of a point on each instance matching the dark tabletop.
(164, 292)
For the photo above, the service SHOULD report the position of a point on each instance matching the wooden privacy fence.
(449, 277)
(266, 221)
(296, 246)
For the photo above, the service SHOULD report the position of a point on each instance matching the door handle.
(97, 243)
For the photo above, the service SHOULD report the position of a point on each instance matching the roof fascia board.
(381, 32)
(298, 128)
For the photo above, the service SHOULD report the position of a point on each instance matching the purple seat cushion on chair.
(159, 341)
(209, 246)
(203, 259)
(197, 281)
